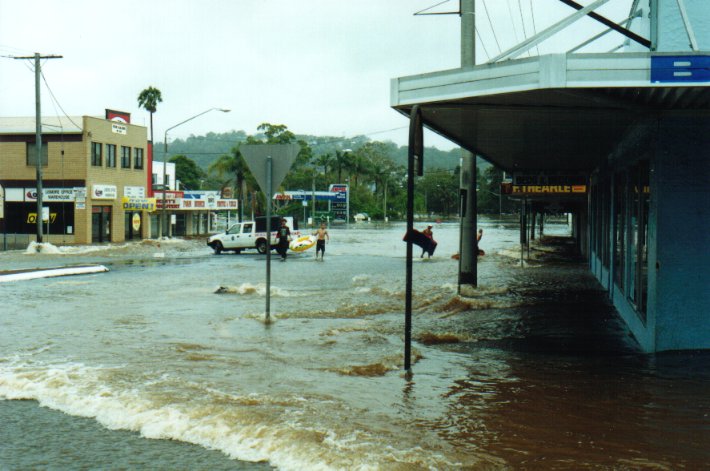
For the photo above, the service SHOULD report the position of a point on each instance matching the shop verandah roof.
(560, 111)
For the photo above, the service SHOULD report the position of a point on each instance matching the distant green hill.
(206, 149)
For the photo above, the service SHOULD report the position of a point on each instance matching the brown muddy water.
(164, 362)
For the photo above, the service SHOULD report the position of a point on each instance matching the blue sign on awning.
(675, 69)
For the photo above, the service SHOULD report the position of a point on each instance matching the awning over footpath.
(553, 112)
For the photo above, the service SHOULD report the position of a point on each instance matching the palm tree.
(340, 162)
(359, 164)
(148, 99)
(234, 165)
(324, 160)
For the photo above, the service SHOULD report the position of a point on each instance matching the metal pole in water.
(523, 231)
(268, 239)
(468, 253)
(408, 283)
(415, 163)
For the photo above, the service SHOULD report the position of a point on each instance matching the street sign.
(282, 157)
(269, 163)
(685, 68)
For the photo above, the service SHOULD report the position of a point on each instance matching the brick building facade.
(96, 179)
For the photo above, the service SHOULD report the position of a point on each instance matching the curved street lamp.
(165, 161)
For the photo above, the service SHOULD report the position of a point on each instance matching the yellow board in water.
(302, 243)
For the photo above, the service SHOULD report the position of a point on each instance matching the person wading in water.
(321, 234)
(284, 235)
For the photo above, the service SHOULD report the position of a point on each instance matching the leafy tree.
(187, 171)
(438, 192)
(279, 134)
(490, 201)
(148, 99)
(379, 165)
(204, 150)
(234, 166)
(275, 134)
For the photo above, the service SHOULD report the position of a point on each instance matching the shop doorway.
(133, 222)
(101, 224)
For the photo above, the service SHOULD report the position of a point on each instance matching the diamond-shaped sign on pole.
(282, 157)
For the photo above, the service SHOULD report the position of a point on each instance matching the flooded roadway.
(533, 371)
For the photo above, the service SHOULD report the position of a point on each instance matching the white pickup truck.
(250, 235)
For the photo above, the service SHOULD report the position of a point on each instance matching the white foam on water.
(360, 279)
(259, 289)
(46, 248)
(451, 287)
(510, 253)
(229, 423)
(43, 248)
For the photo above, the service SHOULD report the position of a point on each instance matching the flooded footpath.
(165, 362)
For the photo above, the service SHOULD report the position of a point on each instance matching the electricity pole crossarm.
(38, 136)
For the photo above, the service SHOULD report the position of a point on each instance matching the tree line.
(377, 181)
(374, 170)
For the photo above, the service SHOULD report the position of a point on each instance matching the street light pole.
(165, 162)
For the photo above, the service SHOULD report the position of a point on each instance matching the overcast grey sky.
(320, 67)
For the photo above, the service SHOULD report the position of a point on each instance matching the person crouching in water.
(321, 234)
(284, 235)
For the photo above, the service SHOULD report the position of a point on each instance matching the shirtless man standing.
(321, 234)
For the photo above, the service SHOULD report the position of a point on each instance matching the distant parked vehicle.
(250, 235)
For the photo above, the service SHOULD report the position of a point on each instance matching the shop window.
(96, 154)
(639, 195)
(21, 218)
(620, 229)
(138, 163)
(605, 215)
(595, 216)
(125, 157)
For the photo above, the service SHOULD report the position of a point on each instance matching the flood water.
(165, 362)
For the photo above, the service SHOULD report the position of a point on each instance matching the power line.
(522, 20)
(483, 44)
(532, 14)
(423, 12)
(54, 100)
(512, 21)
(495, 36)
